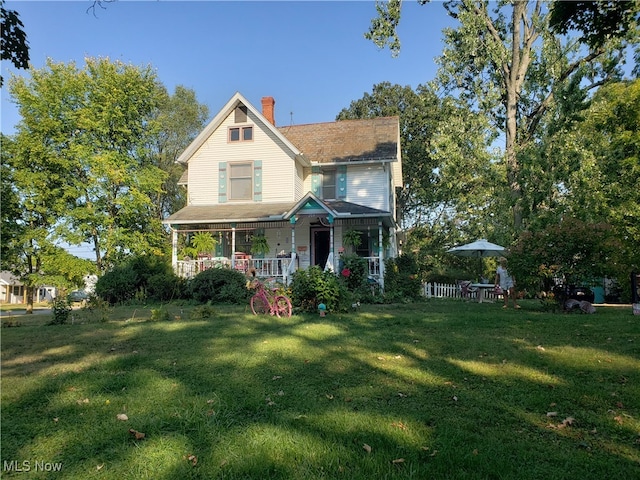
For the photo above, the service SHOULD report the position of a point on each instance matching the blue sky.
(312, 57)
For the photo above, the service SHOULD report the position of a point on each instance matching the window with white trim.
(241, 181)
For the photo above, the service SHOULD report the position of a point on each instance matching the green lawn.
(443, 389)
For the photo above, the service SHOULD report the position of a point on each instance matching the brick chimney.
(268, 104)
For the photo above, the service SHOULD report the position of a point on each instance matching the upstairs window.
(241, 181)
(329, 184)
(241, 134)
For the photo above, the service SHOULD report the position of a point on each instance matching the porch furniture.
(482, 288)
(466, 289)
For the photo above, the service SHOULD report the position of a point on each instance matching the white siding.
(368, 185)
(278, 168)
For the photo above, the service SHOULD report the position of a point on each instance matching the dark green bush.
(401, 279)
(117, 285)
(220, 285)
(313, 286)
(164, 287)
(132, 279)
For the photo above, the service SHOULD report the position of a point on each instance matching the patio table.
(482, 287)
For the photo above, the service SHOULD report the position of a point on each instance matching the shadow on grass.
(437, 390)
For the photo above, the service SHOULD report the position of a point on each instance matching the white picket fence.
(450, 290)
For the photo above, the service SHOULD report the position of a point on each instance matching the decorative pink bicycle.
(265, 301)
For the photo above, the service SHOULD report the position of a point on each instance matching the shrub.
(117, 285)
(401, 280)
(355, 274)
(313, 286)
(61, 310)
(202, 312)
(164, 287)
(132, 279)
(219, 285)
(160, 314)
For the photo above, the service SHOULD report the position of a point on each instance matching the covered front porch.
(310, 233)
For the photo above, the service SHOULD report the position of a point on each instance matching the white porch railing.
(444, 290)
(373, 266)
(264, 267)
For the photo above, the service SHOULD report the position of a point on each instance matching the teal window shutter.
(316, 180)
(257, 181)
(342, 182)
(222, 182)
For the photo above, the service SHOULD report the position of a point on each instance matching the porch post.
(331, 255)
(293, 234)
(233, 246)
(380, 255)
(174, 250)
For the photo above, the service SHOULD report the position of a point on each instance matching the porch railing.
(264, 267)
(444, 290)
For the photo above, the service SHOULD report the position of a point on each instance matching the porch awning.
(268, 212)
(253, 212)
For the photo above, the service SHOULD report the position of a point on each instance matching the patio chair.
(466, 290)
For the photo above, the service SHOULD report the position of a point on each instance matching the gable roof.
(347, 141)
(236, 100)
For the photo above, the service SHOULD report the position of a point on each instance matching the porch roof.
(265, 212)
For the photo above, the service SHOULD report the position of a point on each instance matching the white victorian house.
(301, 187)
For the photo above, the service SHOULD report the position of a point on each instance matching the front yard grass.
(442, 389)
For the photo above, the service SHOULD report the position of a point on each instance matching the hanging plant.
(352, 238)
(203, 242)
(259, 245)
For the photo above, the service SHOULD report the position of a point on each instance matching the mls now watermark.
(30, 466)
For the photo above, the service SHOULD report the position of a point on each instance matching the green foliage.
(160, 314)
(355, 275)
(219, 285)
(61, 311)
(117, 285)
(314, 286)
(202, 312)
(84, 143)
(352, 238)
(165, 286)
(203, 242)
(139, 277)
(598, 22)
(14, 39)
(401, 279)
(572, 250)
(259, 245)
(180, 119)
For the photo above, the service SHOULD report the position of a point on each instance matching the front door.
(320, 246)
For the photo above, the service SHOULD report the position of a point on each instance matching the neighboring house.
(300, 186)
(13, 290)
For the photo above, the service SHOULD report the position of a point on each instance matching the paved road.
(20, 312)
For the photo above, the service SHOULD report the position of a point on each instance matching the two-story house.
(304, 188)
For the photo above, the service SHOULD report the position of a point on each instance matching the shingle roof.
(254, 212)
(346, 140)
(229, 212)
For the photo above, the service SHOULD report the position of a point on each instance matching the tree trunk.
(28, 291)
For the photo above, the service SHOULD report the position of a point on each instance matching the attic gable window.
(241, 134)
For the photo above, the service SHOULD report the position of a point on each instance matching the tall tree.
(596, 21)
(89, 133)
(13, 41)
(33, 204)
(507, 64)
(180, 118)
